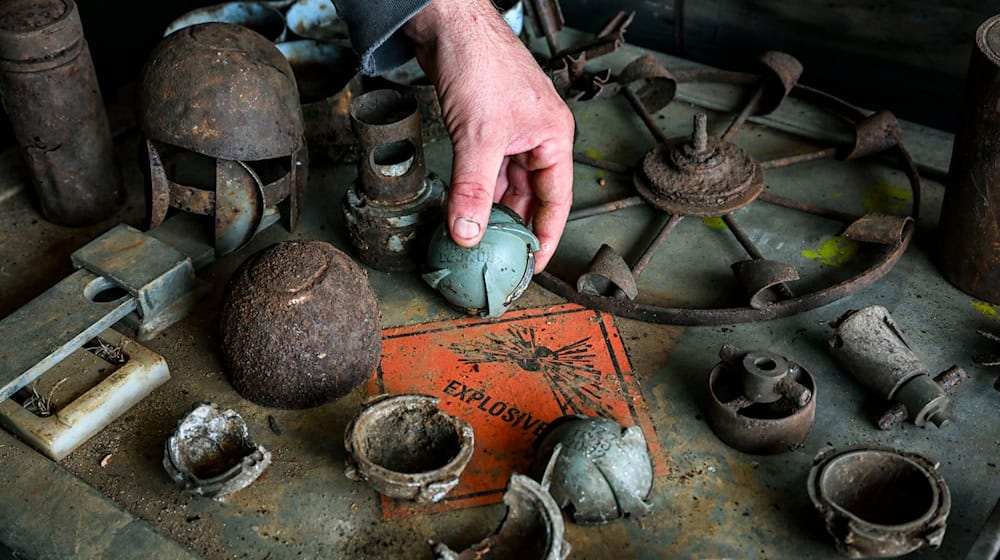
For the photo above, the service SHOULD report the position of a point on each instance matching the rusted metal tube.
(50, 92)
(969, 231)
(391, 168)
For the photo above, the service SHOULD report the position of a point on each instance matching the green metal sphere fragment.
(486, 279)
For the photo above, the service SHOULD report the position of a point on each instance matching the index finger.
(553, 188)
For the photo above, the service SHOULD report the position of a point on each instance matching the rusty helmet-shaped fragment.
(220, 112)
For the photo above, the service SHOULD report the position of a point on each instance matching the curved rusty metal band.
(784, 308)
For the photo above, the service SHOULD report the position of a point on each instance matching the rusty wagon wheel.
(708, 177)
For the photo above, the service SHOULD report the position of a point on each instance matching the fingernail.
(465, 228)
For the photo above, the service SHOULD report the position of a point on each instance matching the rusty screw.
(897, 414)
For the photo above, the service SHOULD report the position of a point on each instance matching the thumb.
(473, 180)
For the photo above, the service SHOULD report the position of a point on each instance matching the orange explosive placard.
(508, 378)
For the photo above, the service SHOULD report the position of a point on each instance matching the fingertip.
(466, 231)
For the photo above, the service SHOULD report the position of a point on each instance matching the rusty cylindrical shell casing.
(300, 326)
(394, 205)
(50, 92)
(969, 232)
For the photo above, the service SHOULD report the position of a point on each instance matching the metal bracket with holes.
(145, 280)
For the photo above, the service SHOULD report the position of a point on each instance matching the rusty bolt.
(897, 413)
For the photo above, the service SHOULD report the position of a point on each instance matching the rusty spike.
(883, 229)
(761, 277)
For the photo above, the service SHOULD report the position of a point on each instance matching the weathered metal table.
(715, 502)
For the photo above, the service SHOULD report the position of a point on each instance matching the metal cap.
(223, 91)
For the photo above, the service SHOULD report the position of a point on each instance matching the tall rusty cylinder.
(969, 231)
(50, 92)
(395, 203)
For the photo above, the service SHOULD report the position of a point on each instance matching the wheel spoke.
(658, 241)
(644, 114)
(798, 158)
(820, 211)
(647, 254)
(612, 166)
(751, 248)
(734, 127)
(606, 208)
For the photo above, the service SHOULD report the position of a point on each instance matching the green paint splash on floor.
(714, 222)
(986, 309)
(886, 198)
(593, 153)
(834, 251)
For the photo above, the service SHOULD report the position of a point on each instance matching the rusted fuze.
(395, 203)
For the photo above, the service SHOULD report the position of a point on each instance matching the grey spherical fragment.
(486, 279)
(601, 472)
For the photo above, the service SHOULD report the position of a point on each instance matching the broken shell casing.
(602, 471)
(532, 529)
(51, 95)
(878, 502)
(871, 346)
(760, 402)
(405, 447)
(212, 454)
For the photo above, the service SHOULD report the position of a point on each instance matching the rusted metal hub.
(212, 454)
(878, 502)
(699, 176)
(407, 448)
(300, 326)
(760, 402)
(533, 528)
(193, 109)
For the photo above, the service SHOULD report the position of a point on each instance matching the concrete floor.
(714, 503)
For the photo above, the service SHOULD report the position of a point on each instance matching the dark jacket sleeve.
(374, 27)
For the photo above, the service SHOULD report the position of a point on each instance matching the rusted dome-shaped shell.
(223, 91)
(300, 326)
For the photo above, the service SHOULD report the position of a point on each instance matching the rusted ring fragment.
(657, 86)
(782, 73)
(327, 79)
(760, 277)
(608, 270)
(760, 402)
(878, 502)
(407, 448)
(875, 133)
(532, 530)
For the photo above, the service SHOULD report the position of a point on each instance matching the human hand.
(512, 133)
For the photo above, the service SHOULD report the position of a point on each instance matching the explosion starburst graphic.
(569, 370)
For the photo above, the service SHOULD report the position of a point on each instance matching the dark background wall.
(909, 56)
